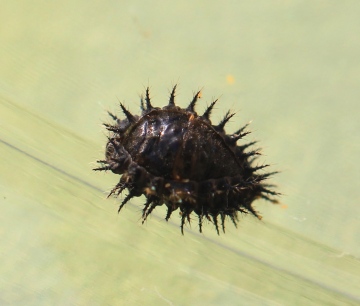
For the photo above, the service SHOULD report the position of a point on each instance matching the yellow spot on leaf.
(230, 79)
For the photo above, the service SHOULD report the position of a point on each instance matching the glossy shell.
(175, 157)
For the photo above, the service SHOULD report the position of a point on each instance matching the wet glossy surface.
(292, 67)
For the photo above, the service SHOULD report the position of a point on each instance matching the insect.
(177, 158)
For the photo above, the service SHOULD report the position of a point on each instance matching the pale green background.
(296, 70)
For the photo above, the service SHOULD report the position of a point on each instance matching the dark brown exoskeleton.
(175, 157)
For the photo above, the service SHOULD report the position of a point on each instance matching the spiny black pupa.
(174, 156)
